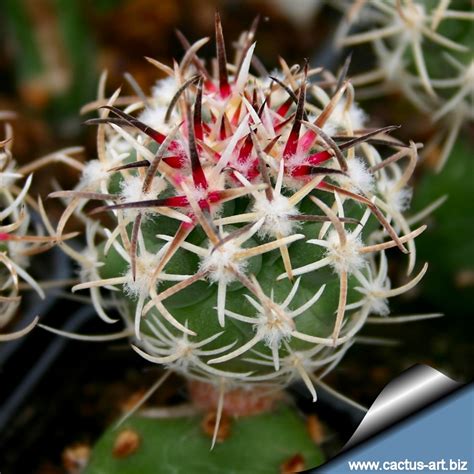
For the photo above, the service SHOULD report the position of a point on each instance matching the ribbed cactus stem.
(248, 220)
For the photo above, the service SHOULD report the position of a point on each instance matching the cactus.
(245, 225)
(15, 245)
(407, 37)
(454, 266)
(20, 237)
(144, 445)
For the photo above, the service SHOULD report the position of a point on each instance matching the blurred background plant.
(54, 50)
(21, 234)
(424, 51)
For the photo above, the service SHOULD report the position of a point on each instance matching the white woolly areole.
(274, 325)
(339, 117)
(88, 270)
(345, 258)
(154, 117)
(117, 148)
(185, 351)
(93, 174)
(358, 178)
(131, 191)
(164, 90)
(377, 304)
(220, 262)
(276, 213)
(399, 200)
(329, 128)
(145, 267)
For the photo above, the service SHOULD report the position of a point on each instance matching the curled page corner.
(412, 390)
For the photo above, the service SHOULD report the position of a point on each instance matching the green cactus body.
(195, 305)
(250, 216)
(279, 437)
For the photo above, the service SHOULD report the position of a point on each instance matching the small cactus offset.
(245, 219)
